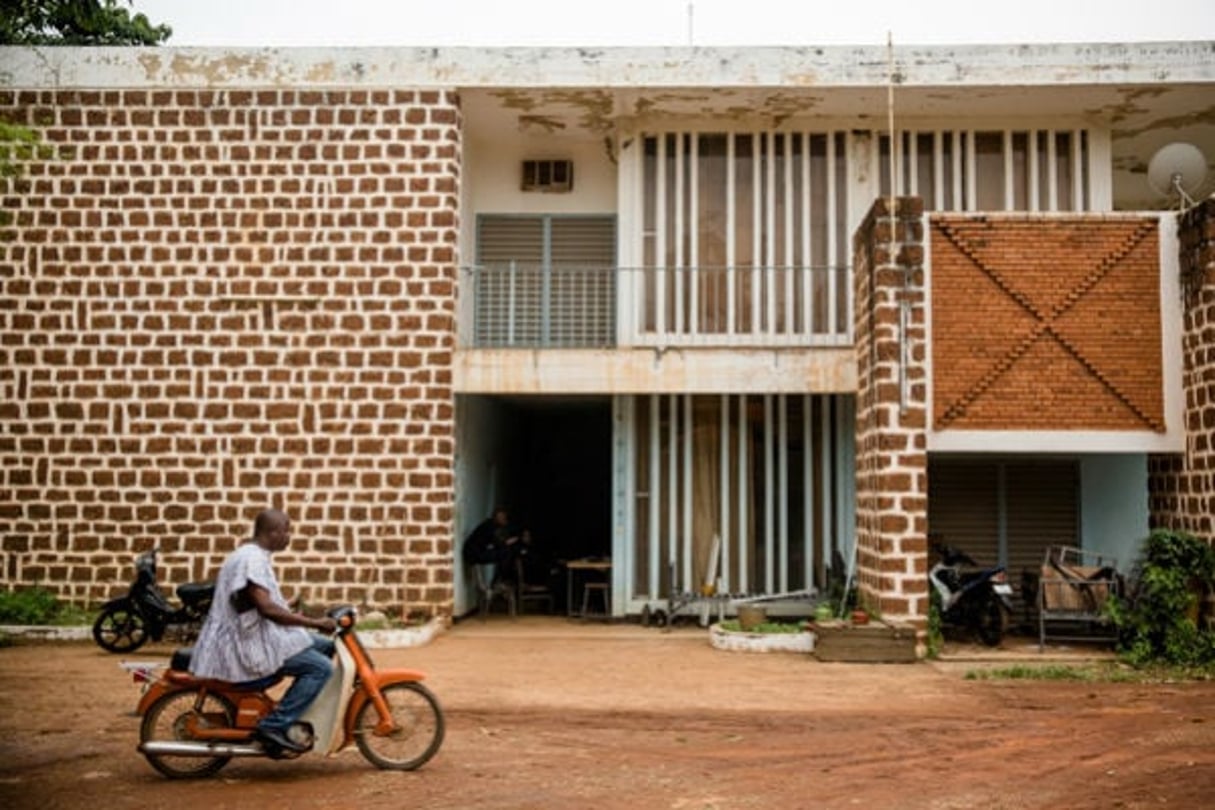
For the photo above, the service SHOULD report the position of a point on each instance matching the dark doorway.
(561, 472)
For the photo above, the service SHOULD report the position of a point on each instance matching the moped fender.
(154, 692)
(383, 677)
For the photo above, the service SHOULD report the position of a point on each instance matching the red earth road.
(545, 713)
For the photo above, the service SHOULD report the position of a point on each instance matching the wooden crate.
(876, 642)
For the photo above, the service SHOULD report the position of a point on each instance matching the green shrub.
(1156, 623)
(38, 606)
(936, 635)
(27, 606)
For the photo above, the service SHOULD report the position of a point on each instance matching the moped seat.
(181, 659)
(179, 671)
(196, 591)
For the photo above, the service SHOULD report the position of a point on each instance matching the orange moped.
(193, 726)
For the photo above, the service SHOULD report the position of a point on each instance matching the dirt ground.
(548, 713)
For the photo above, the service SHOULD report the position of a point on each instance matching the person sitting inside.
(251, 636)
(493, 546)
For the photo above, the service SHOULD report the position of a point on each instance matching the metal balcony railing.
(538, 306)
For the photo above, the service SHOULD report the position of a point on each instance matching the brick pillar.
(1182, 488)
(891, 414)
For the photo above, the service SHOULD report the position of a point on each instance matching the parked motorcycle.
(126, 623)
(193, 727)
(972, 597)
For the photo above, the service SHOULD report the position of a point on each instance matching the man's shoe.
(277, 739)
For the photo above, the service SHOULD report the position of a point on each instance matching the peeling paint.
(217, 71)
(807, 79)
(547, 123)
(151, 65)
(1141, 94)
(1203, 117)
(515, 99)
(322, 72)
(593, 109)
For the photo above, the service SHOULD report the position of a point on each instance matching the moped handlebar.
(345, 615)
(953, 556)
(147, 559)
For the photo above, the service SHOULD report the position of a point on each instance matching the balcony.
(532, 306)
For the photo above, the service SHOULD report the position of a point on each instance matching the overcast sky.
(676, 22)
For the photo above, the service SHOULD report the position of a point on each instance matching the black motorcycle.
(126, 623)
(978, 599)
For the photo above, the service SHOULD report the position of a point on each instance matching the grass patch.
(1033, 673)
(1093, 673)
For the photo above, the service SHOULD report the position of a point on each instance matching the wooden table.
(592, 564)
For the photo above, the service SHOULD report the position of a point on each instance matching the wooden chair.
(531, 592)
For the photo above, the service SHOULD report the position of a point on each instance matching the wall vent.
(548, 175)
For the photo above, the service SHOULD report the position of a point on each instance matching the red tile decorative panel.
(1046, 322)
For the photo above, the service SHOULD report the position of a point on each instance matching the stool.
(604, 594)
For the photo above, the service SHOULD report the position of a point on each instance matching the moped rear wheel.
(990, 622)
(418, 732)
(120, 629)
(166, 721)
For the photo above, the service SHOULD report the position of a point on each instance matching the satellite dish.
(1178, 169)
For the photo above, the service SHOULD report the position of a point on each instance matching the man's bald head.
(269, 520)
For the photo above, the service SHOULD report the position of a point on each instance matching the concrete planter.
(738, 641)
(392, 638)
(47, 632)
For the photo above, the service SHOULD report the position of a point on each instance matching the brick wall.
(1182, 487)
(1046, 322)
(891, 463)
(217, 301)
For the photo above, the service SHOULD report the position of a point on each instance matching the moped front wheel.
(120, 629)
(417, 733)
(170, 718)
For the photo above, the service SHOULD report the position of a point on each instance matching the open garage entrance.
(1007, 509)
(548, 460)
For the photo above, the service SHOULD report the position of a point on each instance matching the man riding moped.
(252, 637)
(212, 703)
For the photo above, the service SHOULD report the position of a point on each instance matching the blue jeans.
(310, 669)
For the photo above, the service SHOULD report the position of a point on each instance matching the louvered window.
(545, 281)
